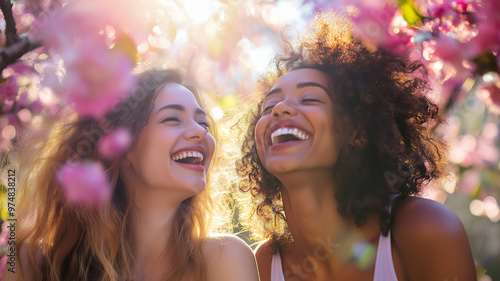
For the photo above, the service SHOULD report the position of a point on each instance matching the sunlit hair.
(375, 93)
(68, 242)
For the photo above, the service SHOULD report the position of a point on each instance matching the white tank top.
(384, 266)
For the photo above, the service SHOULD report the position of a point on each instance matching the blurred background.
(224, 45)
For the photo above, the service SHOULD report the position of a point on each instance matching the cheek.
(210, 145)
(260, 129)
(152, 150)
(260, 132)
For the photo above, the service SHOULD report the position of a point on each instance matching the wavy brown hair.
(91, 243)
(377, 94)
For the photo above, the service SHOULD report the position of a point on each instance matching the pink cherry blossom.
(489, 93)
(8, 89)
(95, 84)
(374, 24)
(84, 182)
(468, 150)
(488, 24)
(452, 89)
(451, 54)
(440, 9)
(448, 49)
(115, 143)
(97, 76)
(21, 68)
(488, 35)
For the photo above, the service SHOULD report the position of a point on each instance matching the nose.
(283, 108)
(195, 132)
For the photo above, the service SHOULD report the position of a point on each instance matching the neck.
(313, 220)
(153, 217)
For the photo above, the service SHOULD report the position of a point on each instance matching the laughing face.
(174, 149)
(297, 129)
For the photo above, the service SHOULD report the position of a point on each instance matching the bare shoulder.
(425, 215)
(229, 258)
(225, 244)
(431, 241)
(264, 257)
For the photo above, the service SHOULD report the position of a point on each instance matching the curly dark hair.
(381, 96)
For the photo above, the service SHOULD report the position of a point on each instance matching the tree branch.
(10, 24)
(15, 46)
(11, 54)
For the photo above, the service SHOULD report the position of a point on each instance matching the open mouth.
(189, 157)
(287, 134)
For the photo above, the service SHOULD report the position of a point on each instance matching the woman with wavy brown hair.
(337, 150)
(155, 226)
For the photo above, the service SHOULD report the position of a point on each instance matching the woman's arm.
(431, 242)
(229, 259)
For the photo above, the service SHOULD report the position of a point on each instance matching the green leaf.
(410, 12)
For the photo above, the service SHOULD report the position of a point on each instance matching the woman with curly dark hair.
(337, 151)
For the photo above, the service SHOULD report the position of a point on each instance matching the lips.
(288, 134)
(192, 156)
(283, 132)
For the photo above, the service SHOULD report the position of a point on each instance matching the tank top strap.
(384, 265)
(277, 268)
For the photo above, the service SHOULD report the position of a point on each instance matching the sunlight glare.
(9, 132)
(217, 113)
(199, 10)
(476, 207)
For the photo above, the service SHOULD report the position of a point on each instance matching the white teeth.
(191, 153)
(288, 131)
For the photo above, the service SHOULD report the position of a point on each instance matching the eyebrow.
(179, 108)
(299, 86)
(273, 91)
(311, 84)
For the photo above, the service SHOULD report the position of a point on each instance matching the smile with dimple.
(286, 134)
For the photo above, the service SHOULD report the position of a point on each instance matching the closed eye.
(170, 119)
(310, 100)
(267, 108)
(204, 124)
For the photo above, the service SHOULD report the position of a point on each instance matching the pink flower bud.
(115, 143)
(84, 182)
(489, 93)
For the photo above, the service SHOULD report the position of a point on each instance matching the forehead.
(302, 75)
(174, 93)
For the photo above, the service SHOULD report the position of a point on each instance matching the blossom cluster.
(457, 39)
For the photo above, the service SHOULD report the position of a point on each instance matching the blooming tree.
(59, 54)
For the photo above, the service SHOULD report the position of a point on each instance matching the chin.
(280, 167)
(197, 187)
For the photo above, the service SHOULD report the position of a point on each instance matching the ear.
(358, 138)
